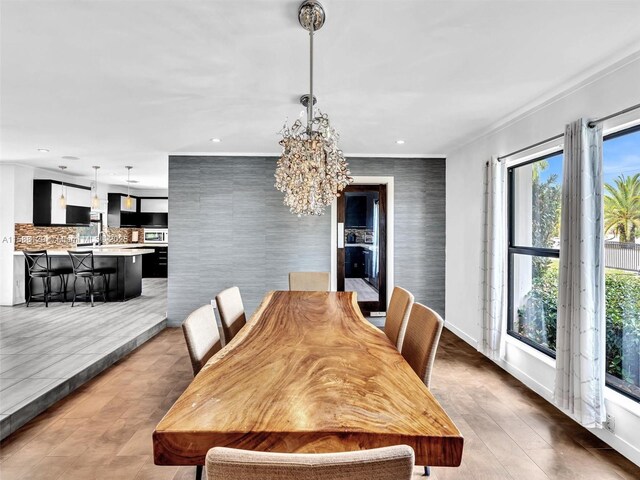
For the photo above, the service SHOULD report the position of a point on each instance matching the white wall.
(609, 91)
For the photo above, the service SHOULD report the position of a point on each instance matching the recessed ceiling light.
(216, 140)
(43, 150)
(400, 142)
(69, 157)
(132, 181)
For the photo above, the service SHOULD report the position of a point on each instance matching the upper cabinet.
(154, 205)
(144, 211)
(48, 211)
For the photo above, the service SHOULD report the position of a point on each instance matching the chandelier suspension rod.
(310, 101)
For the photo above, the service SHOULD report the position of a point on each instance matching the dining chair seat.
(387, 463)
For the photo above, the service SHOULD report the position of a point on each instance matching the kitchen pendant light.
(128, 202)
(62, 202)
(95, 201)
(312, 170)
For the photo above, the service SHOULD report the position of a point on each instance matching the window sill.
(530, 350)
(622, 401)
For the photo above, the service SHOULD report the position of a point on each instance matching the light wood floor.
(103, 430)
(366, 293)
(46, 352)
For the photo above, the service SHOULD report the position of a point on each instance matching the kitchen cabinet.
(46, 204)
(144, 212)
(154, 265)
(354, 262)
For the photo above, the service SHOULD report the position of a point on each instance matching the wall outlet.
(610, 424)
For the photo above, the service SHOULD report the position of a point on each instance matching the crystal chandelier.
(312, 170)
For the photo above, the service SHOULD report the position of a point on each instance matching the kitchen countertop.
(133, 245)
(100, 252)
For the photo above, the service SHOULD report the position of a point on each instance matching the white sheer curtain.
(580, 345)
(494, 246)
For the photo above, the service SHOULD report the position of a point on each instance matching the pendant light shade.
(128, 202)
(95, 200)
(62, 202)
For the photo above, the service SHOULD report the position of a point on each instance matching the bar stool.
(39, 266)
(83, 267)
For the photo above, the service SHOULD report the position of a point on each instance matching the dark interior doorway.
(362, 265)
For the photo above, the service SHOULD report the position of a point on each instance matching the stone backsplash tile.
(30, 237)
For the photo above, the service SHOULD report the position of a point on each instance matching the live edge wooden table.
(307, 374)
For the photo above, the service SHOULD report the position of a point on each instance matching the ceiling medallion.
(312, 170)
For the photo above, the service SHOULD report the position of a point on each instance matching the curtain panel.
(580, 345)
(494, 260)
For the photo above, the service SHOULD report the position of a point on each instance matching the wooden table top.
(307, 374)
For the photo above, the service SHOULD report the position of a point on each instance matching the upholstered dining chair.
(309, 281)
(421, 342)
(387, 463)
(202, 336)
(398, 315)
(231, 310)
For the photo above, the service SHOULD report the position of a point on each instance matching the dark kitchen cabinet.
(154, 265)
(138, 215)
(47, 210)
(354, 262)
(356, 212)
(153, 219)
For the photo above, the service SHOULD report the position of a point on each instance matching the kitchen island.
(124, 284)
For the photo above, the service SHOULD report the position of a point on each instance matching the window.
(534, 239)
(621, 172)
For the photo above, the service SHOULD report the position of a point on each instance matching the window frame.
(612, 386)
(513, 249)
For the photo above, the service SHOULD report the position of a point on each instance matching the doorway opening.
(362, 245)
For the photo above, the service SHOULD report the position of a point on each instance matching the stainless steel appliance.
(156, 235)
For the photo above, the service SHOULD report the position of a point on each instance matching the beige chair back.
(309, 281)
(231, 310)
(202, 336)
(398, 315)
(421, 340)
(388, 463)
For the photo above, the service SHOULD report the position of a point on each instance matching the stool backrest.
(81, 261)
(37, 260)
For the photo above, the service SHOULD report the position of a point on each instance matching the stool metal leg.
(198, 472)
(29, 290)
(44, 295)
(91, 289)
(75, 279)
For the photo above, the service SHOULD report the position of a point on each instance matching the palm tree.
(622, 207)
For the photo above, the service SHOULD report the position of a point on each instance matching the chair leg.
(427, 471)
(61, 286)
(44, 295)
(91, 289)
(105, 286)
(198, 472)
(29, 290)
(75, 279)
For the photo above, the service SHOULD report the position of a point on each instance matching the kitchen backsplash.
(30, 237)
(359, 235)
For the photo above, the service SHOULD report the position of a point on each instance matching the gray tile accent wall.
(228, 226)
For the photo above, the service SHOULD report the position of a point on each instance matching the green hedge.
(538, 315)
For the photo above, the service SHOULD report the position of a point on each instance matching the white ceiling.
(120, 83)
